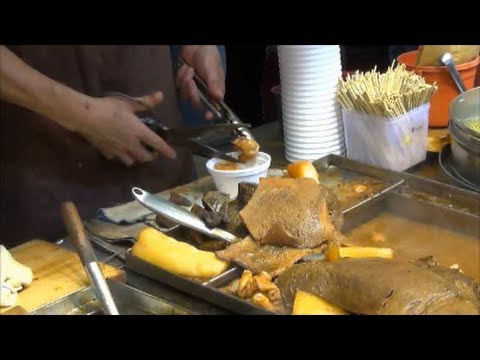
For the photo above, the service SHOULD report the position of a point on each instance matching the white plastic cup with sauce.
(227, 181)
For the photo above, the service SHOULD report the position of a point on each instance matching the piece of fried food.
(258, 289)
(249, 148)
(302, 169)
(176, 256)
(309, 304)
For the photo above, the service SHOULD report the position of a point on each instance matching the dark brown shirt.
(43, 164)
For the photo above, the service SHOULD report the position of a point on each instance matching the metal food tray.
(410, 196)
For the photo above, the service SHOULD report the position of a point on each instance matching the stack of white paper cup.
(312, 118)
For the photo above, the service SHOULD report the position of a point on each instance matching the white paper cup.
(303, 155)
(293, 93)
(321, 142)
(312, 147)
(322, 84)
(308, 55)
(311, 114)
(321, 138)
(315, 130)
(316, 136)
(309, 63)
(310, 157)
(315, 104)
(312, 135)
(323, 74)
(306, 95)
(308, 99)
(227, 180)
(307, 47)
(332, 133)
(311, 51)
(311, 120)
(308, 135)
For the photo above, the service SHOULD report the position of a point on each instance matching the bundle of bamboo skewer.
(391, 94)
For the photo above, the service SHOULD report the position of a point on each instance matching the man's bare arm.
(109, 124)
(24, 86)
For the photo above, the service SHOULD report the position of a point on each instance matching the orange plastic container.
(447, 90)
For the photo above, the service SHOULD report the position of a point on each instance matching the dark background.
(251, 75)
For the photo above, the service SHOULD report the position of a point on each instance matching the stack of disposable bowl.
(312, 118)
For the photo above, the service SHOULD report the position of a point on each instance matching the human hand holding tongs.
(222, 113)
(189, 137)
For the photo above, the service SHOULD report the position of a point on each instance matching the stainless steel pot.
(464, 141)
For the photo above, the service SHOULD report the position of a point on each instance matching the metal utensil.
(79, 238)
(189, 137)
(219, 108)
(185, 136)
(447, 60)
(179, 215)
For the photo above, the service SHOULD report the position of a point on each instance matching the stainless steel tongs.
(185, 136)
(220, 109)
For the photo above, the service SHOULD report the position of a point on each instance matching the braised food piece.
(212, 219)
(258, 289)
(175, 256)
(217, 201)
(248, 148)
(245, 193)
(164, 222)
(246, 285)
(302, 169)
(380, 286)
(234, 223)
(180, 200)
(263, 301)
(262, 258)
(212, 245)
(309, 304)
(194, 237)
(293, 212)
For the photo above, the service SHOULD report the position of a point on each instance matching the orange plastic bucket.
(447, 90)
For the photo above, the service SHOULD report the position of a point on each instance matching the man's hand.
(205, 60)
(109, 124)
(113, 128)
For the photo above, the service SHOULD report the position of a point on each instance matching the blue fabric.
(190, 115)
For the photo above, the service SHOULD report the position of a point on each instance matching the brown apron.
(42, 164)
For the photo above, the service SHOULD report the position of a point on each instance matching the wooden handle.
(76, 232)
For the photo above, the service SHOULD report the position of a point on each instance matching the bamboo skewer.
(391, 94)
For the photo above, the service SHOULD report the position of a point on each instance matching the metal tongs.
(185, 136)
(221, 111)
(189, 137)
(179, 215)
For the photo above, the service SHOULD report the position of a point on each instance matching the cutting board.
(57, 272)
